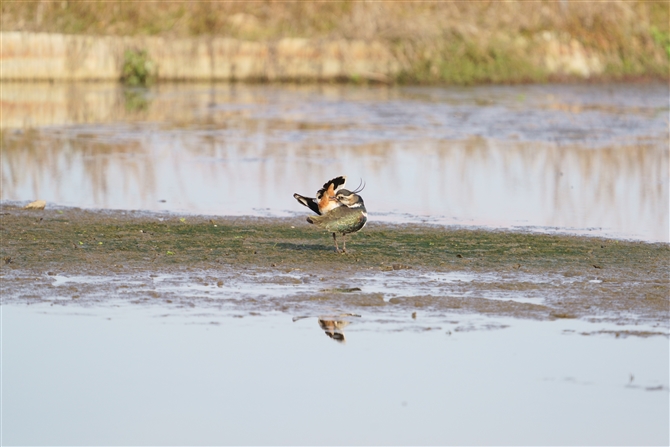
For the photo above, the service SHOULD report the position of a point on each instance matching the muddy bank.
(142, 59)
(78, 257)
(59, 57)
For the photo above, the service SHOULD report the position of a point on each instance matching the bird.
(325, 197)
(349, 217)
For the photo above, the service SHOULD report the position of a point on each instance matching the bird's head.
(349, 198)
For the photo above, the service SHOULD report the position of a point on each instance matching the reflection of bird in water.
(332, 325)
(333, 328)
(346, 219)
(325, 197)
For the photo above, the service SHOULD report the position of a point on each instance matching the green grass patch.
(462, 62)
(138, 70)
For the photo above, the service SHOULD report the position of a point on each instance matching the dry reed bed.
(453, 42)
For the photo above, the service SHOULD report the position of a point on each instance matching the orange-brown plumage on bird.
(325, 197)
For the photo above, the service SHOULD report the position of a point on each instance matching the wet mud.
(74, 257)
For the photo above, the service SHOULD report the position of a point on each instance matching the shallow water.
(582, 159)
(154, 375)
(239, 286)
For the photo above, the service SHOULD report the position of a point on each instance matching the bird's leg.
(344, 243)
(337, 249)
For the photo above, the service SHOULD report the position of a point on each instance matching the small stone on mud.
(562, 315)
(459, 255)
(400, 267)
(342, 290)
(36, 205)
(388, 268)
(414, 315)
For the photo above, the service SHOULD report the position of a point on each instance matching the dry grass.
(598, 23)
(491, 41)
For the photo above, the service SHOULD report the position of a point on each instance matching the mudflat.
(284, 264)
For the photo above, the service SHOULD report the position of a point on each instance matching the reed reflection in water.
(475, 157)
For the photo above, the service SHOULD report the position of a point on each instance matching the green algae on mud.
(565, 276)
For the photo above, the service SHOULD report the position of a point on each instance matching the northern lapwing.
(349, 217)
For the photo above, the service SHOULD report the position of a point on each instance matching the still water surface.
(149, 375)
(583, 159)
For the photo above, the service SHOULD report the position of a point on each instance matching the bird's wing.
(336, 184)
(308, 202)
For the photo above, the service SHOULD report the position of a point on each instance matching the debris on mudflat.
(36, 205)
